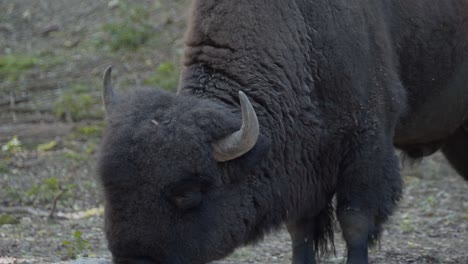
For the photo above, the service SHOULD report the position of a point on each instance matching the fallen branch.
(24, 210)
(44, 213)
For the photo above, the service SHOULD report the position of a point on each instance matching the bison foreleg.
(311, 234)
(368, 189)
(302, 234)
(356, 228)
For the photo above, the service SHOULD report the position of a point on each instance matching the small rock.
(113, 4)
(26, 15)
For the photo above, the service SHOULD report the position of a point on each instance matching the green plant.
(12, 194)
(131, 33)
(165, 77)
(94, 212)
(89, 130)
(45, 192)
(90, 147)
(73, 155)
(407, 226)
(47, 146)
(13, 66)
(8, 220)
(429, 203)
(75, 104)
(75, 247)
(136, 14)
(4, 167)
(12, 146)
(7, 151)
(126, 36)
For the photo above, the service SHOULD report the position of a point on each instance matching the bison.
(282, 105)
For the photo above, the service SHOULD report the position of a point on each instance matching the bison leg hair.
(455, 149)
(302, 234)
(368, 190)
(356, 227)
(311, 235)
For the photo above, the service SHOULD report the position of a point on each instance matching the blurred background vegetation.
(52, 57)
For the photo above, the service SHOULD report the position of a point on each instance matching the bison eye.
(187, 200)
(187, 196)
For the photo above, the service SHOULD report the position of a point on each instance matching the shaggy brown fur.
(335, 85)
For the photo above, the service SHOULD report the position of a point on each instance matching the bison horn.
(241, 141)
(108, 90)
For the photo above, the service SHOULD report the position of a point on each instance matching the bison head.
(172, 170)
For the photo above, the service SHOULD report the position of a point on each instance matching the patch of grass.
(47, 146)
(131, 33)
(12, 194)
(44, 192)
(80, 148)
(94, 212)
(406, 226)
(4, 167)
(126, 36)
(91, 147)
(165, 77)
(72, 155)
(47, 190)
(12, 146)
(13, 66)
(429, 204)
(7, 151)
(76, 104)
(87, 131)
(8, 220)
(75, 247)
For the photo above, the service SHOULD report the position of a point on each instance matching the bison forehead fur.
(330, 88)
(157, 155)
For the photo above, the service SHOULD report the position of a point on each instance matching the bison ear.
(107, 90)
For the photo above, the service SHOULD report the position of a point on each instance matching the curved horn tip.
(242, 95)
(109, 68)
(243, 140)
(244, 100)
(107, 92)
(107, 76)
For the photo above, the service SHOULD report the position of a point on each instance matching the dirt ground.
(52, 56)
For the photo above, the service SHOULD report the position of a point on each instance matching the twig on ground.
(44, 213)
(54, 204)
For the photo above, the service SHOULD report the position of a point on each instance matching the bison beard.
(328, 89)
